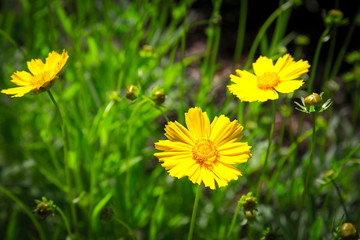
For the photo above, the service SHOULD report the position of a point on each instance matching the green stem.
(263, 29)
(26, 210)
(316, 59)
(66, 162)
(330, 56)
(268, 148)
(193, 217)
(341, 199)
(182, 72)
(340, 56)
(128, 228)
(241, 31)
(66, 222)
(308, 174)
(234, 219)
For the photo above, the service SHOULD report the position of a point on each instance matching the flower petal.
(198, 123)
(287, 69)
(263, 65)
(22, 78)
(170, 146)
(17, 91)
(36, 66)
(174, 131)
(222, 130)
(55, 62)
(289, 86)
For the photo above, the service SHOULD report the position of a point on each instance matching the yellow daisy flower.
(40, 77)
(268, 79)
(204, 152)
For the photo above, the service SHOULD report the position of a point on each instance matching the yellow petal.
(263, 65)
(223, 131)
(226, 171)
(21, 78)
(176, 132)
(173, 161)
(208, 178)
(36, 66)
(291, 70)
(167, 145)
(289, 86)
(17, 91)
(55, 62)
(198, 123)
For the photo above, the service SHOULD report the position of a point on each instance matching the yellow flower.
(268, 79)
(40, 77)
(204, 152)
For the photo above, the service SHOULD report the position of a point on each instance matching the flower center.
(204, 152)
(267, 81)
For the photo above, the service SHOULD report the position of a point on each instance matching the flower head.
(40, 77)
(268, 79)
(204, 152)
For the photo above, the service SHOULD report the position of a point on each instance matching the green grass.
(111, 139)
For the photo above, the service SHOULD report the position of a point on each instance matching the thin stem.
(330, 56)
(308, 174)
(263, 29)
(316, 58)
(128, 228)
(66, 162)
(340, 56)
(26, 210)
(241, 31)
(193, 217)
(341, 198)
(182, 72)
(66, 222)
(234, 219)
(268, 148)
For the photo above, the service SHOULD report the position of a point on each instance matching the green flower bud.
(159, 97)
(348, 232)
(250, 215)
(302, 40)
(132, 92)
(43, 209)
(249, 204)
(313, 99)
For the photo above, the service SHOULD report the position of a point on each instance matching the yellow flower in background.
(204, 152)
(268, 79)
(40, 77)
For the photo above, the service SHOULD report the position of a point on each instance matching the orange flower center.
(268, 81)
(204, 152)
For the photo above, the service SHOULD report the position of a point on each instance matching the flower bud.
(302, 40)
(43, 209)
(132, 92)
(313, 99)
(249, 204)
(348, 232)
(159, 97)
(250, 215)
(335, 16)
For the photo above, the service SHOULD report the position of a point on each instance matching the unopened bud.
(348, 232)
(159, 97)
(249, 204)
(43, 209)
(132, 92)
(313, 100)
